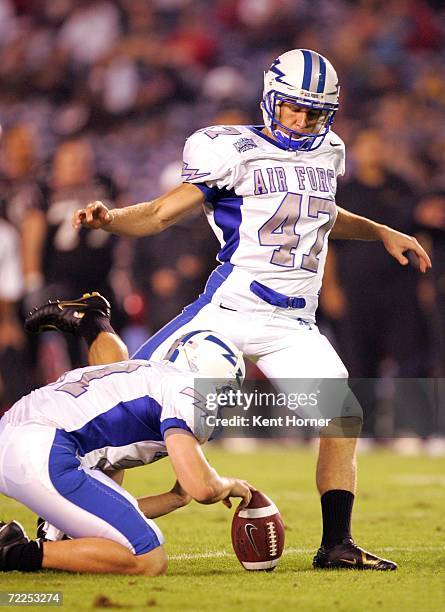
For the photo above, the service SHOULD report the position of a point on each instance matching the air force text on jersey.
(274, 179)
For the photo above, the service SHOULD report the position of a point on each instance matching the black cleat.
(47, 533)
(350, 556)
(41, 529)
(65, 315)
(11, 534)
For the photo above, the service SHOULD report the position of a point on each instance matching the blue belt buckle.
(296, 302)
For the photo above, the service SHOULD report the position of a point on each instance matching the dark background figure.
(22, 200)
(23, 193)
(72, 263)
(21, 181)
(13, 357)
(381, 328)
(430, 214)
(384, 317)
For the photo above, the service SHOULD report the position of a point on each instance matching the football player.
(128, 413)
(269, 195)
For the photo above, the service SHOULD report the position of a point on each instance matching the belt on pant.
(276, 299)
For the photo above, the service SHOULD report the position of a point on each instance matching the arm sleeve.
(206, 163)
(340, 159)
(184, 408)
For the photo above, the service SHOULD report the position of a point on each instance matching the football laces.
(272, 539)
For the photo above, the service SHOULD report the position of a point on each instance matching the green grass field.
(399, 513)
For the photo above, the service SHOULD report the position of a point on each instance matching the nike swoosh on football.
(248, 529)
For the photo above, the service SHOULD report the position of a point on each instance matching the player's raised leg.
(89, 317)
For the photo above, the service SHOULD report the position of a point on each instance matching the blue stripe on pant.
(216, 279)
(95, 497)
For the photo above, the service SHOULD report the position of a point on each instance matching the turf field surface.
(399, 514)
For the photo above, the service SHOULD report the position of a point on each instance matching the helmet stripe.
(307, 75)
(322, 75)
(186, 337)
(173, 352)
(230, 355)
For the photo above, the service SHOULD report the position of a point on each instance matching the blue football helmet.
(210, 355)
(305, 79)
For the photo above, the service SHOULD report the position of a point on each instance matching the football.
(258, 534)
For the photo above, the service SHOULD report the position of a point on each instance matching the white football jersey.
(271, 209)
(117, 414)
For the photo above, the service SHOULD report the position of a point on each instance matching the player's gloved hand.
(397, 244)
(240, 488)
(94, 216)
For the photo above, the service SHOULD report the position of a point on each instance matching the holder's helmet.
(210, 355)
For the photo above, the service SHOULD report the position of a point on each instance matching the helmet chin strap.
(288, 140)
(296, 136)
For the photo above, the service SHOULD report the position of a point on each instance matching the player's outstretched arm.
(164, 503)
(197, 477)
(141, 219)
(349, 226)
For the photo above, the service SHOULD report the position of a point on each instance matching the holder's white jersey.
(271, 209)
(116, 415)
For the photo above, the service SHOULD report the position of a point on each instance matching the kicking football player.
(130, 411)
(269, 195)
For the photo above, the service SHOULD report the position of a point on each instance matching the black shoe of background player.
(349, 555)
(65, 315)
(11, 534)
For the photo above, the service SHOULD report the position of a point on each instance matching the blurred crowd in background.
(96, 100)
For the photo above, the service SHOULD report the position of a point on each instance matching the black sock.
(25, 557)
(336, 507)
(92, 324)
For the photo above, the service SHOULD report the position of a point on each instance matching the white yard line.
(299, 551)
(207, 555)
